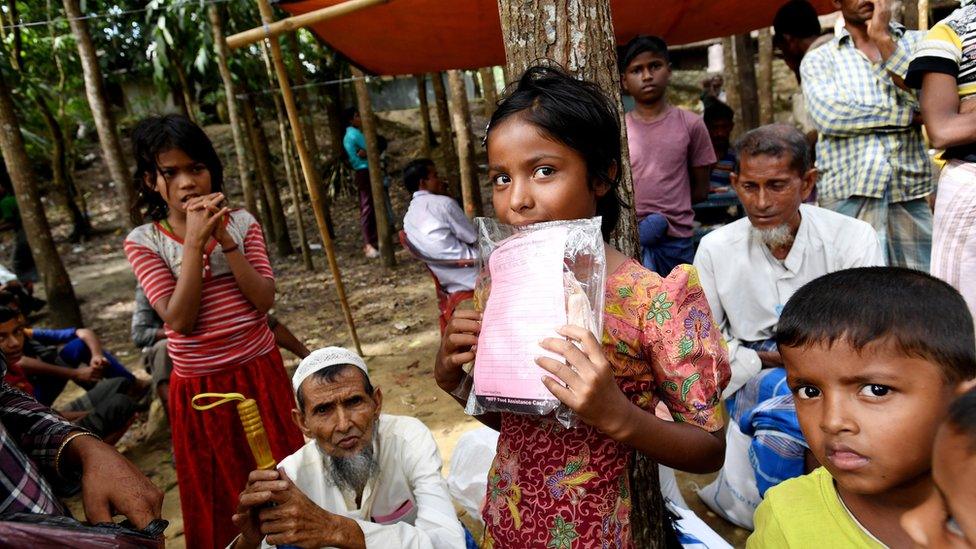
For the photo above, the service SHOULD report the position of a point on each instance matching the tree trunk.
(578, 34)
(333, 101)
(426, 130)
(491, 90)
(731, 77)
(748, 88)
(764, 77)
(264, 209)
(288, 160)
(365, 108)
(262, 157)
(220, 47)
(189, 99)
(179, 98)
(57, 285)
(66, 190)
(450, 167)
(107, 133)
(461, 118)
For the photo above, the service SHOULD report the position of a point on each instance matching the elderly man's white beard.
(777, 237)
(353, 472)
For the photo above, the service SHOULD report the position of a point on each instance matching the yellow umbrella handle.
(250, 416)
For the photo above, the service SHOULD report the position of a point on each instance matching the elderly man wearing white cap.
(364, 479)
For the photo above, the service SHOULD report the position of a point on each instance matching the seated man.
(749, 269)
(437, 226)
(39, 448)
(364, 479)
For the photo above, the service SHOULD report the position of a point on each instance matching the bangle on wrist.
(67, 440)
(230, 249)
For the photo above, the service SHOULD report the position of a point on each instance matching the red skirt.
(212, 456)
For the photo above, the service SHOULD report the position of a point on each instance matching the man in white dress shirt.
(364, 479)
(437, 226)
(751, 267)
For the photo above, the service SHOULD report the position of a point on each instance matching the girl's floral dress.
(562, 488)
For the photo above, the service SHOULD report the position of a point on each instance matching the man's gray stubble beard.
(779, 236)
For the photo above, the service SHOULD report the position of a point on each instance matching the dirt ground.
(395, 313)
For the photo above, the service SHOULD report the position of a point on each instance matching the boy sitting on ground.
(437, 227)
(874, 356)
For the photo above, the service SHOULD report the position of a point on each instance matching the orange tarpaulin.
(416, 36)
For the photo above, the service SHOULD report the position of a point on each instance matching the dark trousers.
(367, 216)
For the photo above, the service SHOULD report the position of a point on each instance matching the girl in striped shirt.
(205, 270)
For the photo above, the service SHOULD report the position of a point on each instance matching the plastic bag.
(467, 480)
(533, 280)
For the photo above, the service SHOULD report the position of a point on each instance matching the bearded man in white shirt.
(364, 480)
(751, 267)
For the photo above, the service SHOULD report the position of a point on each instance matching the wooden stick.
(271, 29)
(308, 170)
(365, 108)
(461, 118)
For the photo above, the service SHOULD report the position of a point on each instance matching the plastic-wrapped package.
(533, 280)
(44, 531)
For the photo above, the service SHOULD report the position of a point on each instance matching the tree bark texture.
(748, 87)
(426, 130)
(57, 285)
(764, 77)
(490, 89)
(731, 87)
(461, 120)
(365, 108)
(107, 133)
(61, 175)
(578, 34)
(230, 90)
(450, 167)
(262, 157)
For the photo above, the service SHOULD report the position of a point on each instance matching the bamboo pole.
(923, 14)
(308, 170)
(461, 118)
(365, 108)
(764, 77)
(271, 28)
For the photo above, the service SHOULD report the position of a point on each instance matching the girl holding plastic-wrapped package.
(554, 154)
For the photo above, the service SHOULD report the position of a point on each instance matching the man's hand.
(111, 484)
(99, 362)
(260, 487)
(879, 23)
(361, 153)
(86, 375)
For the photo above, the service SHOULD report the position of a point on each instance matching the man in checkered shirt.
(871, 157)
(39, 450)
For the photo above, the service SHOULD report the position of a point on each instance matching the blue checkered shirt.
(30, 436)
(867, 146)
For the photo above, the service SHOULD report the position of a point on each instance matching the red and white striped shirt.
(229, 330)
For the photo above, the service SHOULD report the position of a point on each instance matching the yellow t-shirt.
(807, 512)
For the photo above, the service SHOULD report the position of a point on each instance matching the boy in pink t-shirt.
(671, 156)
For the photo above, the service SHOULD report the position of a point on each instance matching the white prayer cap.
(323, 358)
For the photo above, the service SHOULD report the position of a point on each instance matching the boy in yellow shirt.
(874, 356)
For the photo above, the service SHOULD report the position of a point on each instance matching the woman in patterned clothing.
(554, 153)
(205, 270)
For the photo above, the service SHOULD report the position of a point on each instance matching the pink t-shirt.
(661, 153)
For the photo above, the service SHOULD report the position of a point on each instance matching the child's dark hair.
(638, 45)
(962, 416)
(348, 114)
(10, 300)
(920, 315)
(415, 172)
(156, 135)
(716, 110)
(797, 18)
(8, 313)
(577, 114)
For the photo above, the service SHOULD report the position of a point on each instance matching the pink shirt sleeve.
(700, 150)
(690, 364)
(151, 271)
(256, 252)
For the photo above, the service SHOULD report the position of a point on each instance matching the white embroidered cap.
(323, 358)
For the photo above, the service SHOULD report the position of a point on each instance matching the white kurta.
(747, 287)
(406, 505)
(438, 228)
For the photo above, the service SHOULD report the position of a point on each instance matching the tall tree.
(447, 139)
(57, 285)
(578, 34)
(262, 157)
(764, 77)
(461, 118)
(490, 89)
(365, 108)
(220, 47)
(731, 77)
(105, 125)
(426, 130)
(745, 66)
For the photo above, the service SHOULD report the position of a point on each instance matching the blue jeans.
(72, 355)
(659, 252)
